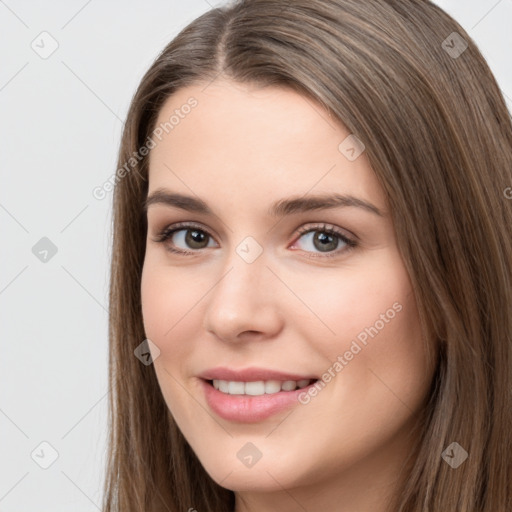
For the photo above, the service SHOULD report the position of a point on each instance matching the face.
(272, 273)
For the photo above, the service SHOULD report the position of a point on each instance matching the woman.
(312, 267)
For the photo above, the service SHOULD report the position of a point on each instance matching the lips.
(240, 406)
(252, 374)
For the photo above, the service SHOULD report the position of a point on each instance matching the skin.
(240, 149)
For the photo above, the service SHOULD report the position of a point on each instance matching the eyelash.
(168, 231)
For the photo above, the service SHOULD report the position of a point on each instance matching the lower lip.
(249, 409)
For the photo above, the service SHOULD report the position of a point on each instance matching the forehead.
(250, 140)
(227, 112)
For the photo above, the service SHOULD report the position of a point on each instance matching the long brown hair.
(438, 135)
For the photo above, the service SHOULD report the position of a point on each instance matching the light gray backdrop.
(68, 71)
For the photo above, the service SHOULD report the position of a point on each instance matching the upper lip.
(250, 374)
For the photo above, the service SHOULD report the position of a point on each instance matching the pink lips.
(250, 375)
(245, 408)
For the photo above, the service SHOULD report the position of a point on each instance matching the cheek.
(359, 302)
(167, 294)
(167, 303)
(375, 343)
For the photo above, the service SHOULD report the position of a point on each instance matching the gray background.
(61, 121)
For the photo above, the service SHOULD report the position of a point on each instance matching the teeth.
(236, 388)
(272, 386)
(288, 385)
(254, 388)
(259, 387)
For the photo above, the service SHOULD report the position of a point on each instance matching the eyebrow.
(280, 208)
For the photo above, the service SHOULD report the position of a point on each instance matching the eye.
(327, 240)
(186, 235)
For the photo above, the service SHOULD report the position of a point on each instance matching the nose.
(243, 304)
